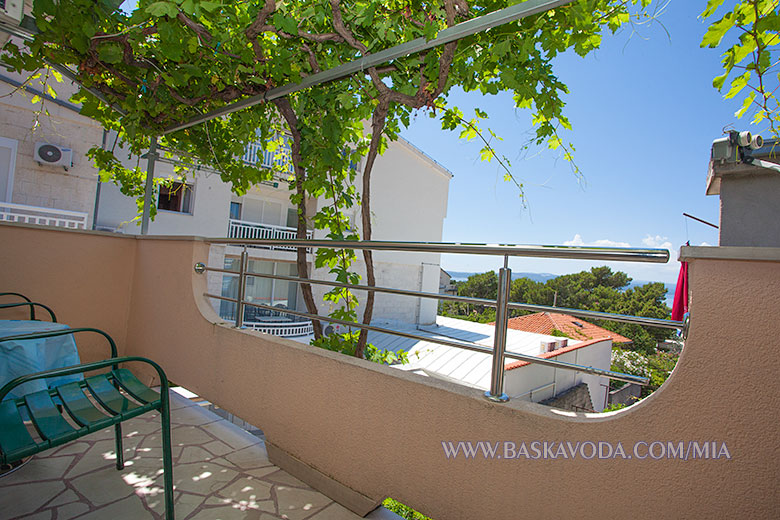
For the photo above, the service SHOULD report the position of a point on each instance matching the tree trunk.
(285, 108)
(377, 126)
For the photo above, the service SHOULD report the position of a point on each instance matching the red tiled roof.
(554, 353)
(576, 328)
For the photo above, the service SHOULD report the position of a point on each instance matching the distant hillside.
(461, 276)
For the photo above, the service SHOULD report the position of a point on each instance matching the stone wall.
(576, 399)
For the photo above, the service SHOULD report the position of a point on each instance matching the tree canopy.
(171, 60)
(599, 289)
(750, 62)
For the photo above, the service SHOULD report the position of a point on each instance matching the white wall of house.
(409, 199)
(531, 382)
(209, 208)
(39, 185)
(207, 216)
(535, 382)
(409, 192)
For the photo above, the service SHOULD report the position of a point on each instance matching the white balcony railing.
(244, 229)
(283, 329)
(256, 154)
(11, 212)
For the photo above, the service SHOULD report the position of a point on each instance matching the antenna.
(700, 220)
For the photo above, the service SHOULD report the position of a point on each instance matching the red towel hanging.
(680, 305)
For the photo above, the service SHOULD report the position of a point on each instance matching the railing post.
(151, 155)
(496, 392)
(241, 288)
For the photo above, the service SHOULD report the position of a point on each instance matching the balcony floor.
(220, 472)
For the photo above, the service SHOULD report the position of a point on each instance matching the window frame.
(182, 198)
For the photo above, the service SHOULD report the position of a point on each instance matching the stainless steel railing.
(501, 303)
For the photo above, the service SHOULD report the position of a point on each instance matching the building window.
(176, 197)
(7, 165)
(266, 291)
(292, 217)
(235, 211)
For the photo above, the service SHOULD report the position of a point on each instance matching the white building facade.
(409, 203)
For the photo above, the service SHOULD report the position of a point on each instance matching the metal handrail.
(623, 318)
(501, 303)
(459, 344)
(617, 254)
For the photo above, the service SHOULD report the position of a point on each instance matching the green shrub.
(403, 511)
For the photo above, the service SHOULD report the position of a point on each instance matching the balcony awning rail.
(501, 303)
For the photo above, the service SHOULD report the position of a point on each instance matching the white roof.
(455, 364)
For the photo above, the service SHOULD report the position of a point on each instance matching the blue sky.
(644, 115)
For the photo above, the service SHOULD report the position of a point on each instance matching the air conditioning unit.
(335, 328)
(11, 11)
(53, 155)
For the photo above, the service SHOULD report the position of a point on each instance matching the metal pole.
(99, 183)
(241, 288)
(150, 157)
(612, 254)
(496, 392)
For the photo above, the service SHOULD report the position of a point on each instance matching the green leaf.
(717, 31)
(737, 84)
(210, 6)
(160, 9)
(719, 81)
(288, 25)
(110, 52)
(712, 6)
(746, 105)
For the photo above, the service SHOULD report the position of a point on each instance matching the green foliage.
(657, 366)
(750, 62)
(483, 285)
(661, 365)
(599, 289)
(630, 362)
(169, 61)
(346, 343)
(404, 511)
(614, 406)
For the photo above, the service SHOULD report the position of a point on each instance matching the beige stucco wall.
(86, 278)
(379, 430)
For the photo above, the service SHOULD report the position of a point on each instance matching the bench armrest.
(32, 308)
(86, 367)
(63, 332)
(20, 295)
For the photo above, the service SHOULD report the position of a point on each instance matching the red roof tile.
(575, 328)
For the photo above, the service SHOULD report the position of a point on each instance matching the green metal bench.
(47, 409)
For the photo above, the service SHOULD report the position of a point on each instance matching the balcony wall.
(378, 431)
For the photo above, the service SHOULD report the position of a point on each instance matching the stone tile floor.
(221, 472)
